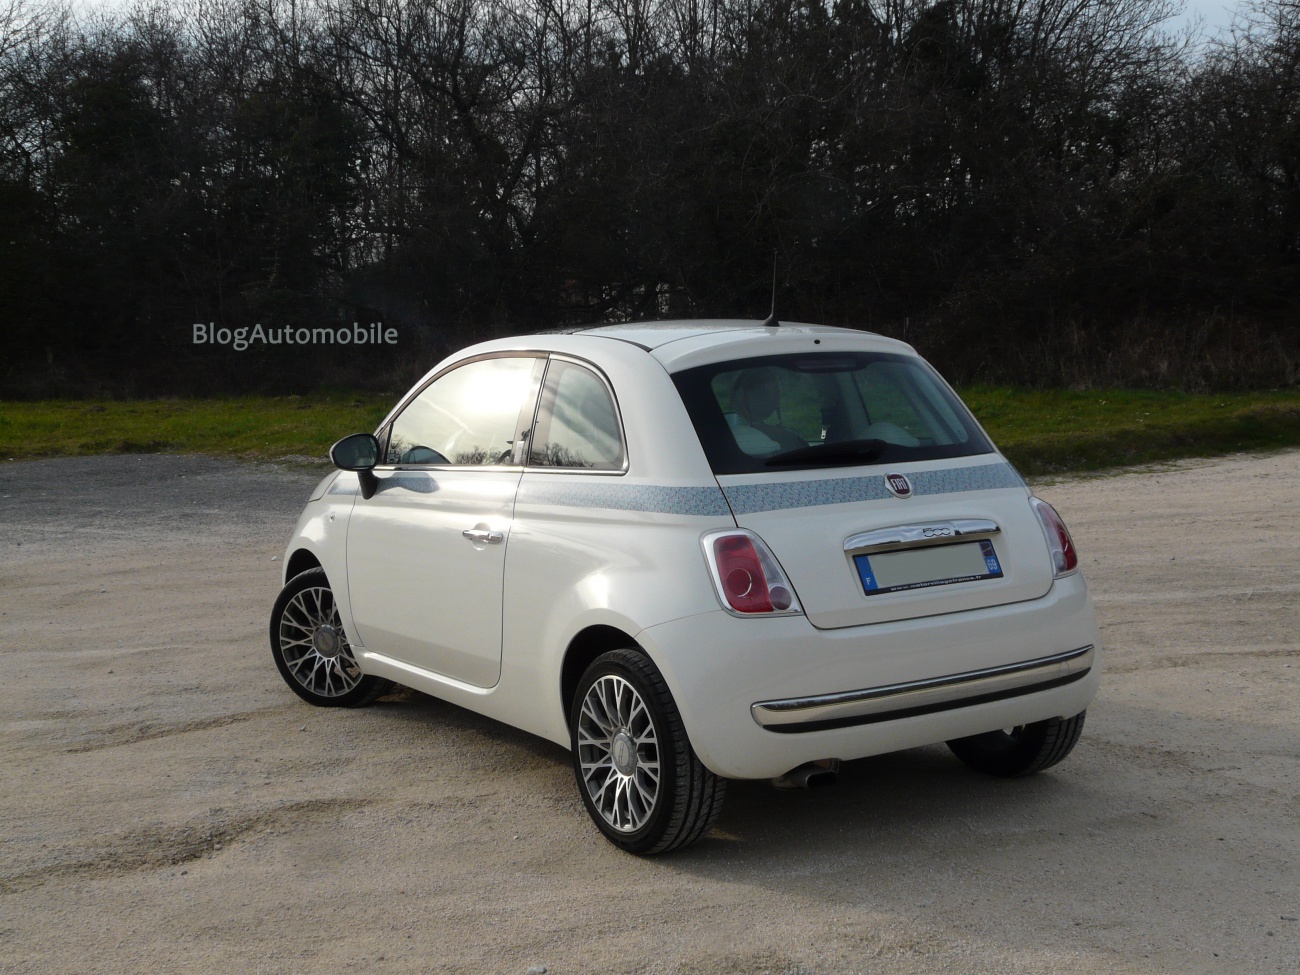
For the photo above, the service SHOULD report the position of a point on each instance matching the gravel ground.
(169, 806)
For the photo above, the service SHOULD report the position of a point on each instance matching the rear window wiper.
(841, 452)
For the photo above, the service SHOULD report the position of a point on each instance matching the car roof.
(684, 343)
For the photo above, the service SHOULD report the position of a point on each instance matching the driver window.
(466, 417)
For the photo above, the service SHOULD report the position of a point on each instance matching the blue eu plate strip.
(865, 573)
(991, 559)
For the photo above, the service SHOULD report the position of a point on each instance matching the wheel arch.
(299, 562)
(588, 644)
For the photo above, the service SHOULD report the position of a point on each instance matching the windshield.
(809, 410)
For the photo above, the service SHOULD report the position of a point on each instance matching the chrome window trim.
(530, 469)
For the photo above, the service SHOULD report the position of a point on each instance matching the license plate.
(921, 568)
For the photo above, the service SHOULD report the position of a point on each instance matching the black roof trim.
(579, 329)
(619, 338)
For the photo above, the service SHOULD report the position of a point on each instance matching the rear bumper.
(762, 696)
(894, 701)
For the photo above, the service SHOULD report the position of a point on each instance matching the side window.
(469, 416)
(577, 425)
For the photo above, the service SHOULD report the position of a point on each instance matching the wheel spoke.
(599, 794)
(639, 710)
(620, 812)
(601, 720)
(608, 702)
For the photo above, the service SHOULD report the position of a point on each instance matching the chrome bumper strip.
(894, 701)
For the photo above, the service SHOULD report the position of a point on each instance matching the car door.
(426, 553)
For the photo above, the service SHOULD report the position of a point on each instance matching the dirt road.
(167, 805)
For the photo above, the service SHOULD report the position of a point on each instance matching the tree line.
(1031, 191)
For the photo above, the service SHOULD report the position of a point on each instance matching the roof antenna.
(771, 321)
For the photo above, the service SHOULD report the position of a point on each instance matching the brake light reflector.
(747, 576)
(1064, 557)
(742, 576)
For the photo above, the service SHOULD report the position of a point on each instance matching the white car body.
(590, 560)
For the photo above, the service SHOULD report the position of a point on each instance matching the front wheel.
(638, 776)
(311, 650)
(1022, 750)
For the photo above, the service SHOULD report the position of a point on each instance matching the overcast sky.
(1217, 13)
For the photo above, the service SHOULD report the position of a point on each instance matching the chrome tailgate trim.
(935, 533)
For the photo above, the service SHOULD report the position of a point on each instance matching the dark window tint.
(794, 412)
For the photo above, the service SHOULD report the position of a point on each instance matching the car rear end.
(891, 582)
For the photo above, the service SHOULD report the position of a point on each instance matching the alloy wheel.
(314, 646)
(618, 748)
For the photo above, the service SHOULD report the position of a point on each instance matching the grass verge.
(1067, 431)
(251, 427)
(1042, 431)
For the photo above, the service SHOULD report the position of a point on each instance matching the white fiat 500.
(693, 552)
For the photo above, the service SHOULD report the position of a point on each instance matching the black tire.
(311, 650)
(1021, 751)
(686, 798)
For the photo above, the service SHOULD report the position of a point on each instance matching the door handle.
(480, 536)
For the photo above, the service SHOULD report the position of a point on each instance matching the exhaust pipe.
(810, 775)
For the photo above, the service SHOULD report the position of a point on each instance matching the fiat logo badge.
(899, 486)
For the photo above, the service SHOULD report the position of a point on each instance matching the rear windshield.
(828, 409)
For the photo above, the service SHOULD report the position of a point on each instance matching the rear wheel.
(1022, 750)
(311, 650)
(638, 776)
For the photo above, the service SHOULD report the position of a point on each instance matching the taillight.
(1064, 558)
(746, 575)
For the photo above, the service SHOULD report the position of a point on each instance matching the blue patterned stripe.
(622, 496)
(751, 498)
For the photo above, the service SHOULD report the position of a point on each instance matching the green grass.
(1042, 431)
(1067, 431)
(253, 427)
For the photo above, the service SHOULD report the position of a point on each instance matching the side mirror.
(360, 453)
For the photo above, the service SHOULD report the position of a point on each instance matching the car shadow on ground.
(407, 706)
(923, 797)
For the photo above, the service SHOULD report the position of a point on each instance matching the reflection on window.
(578, 426)
(905, 406)
(467, 417)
